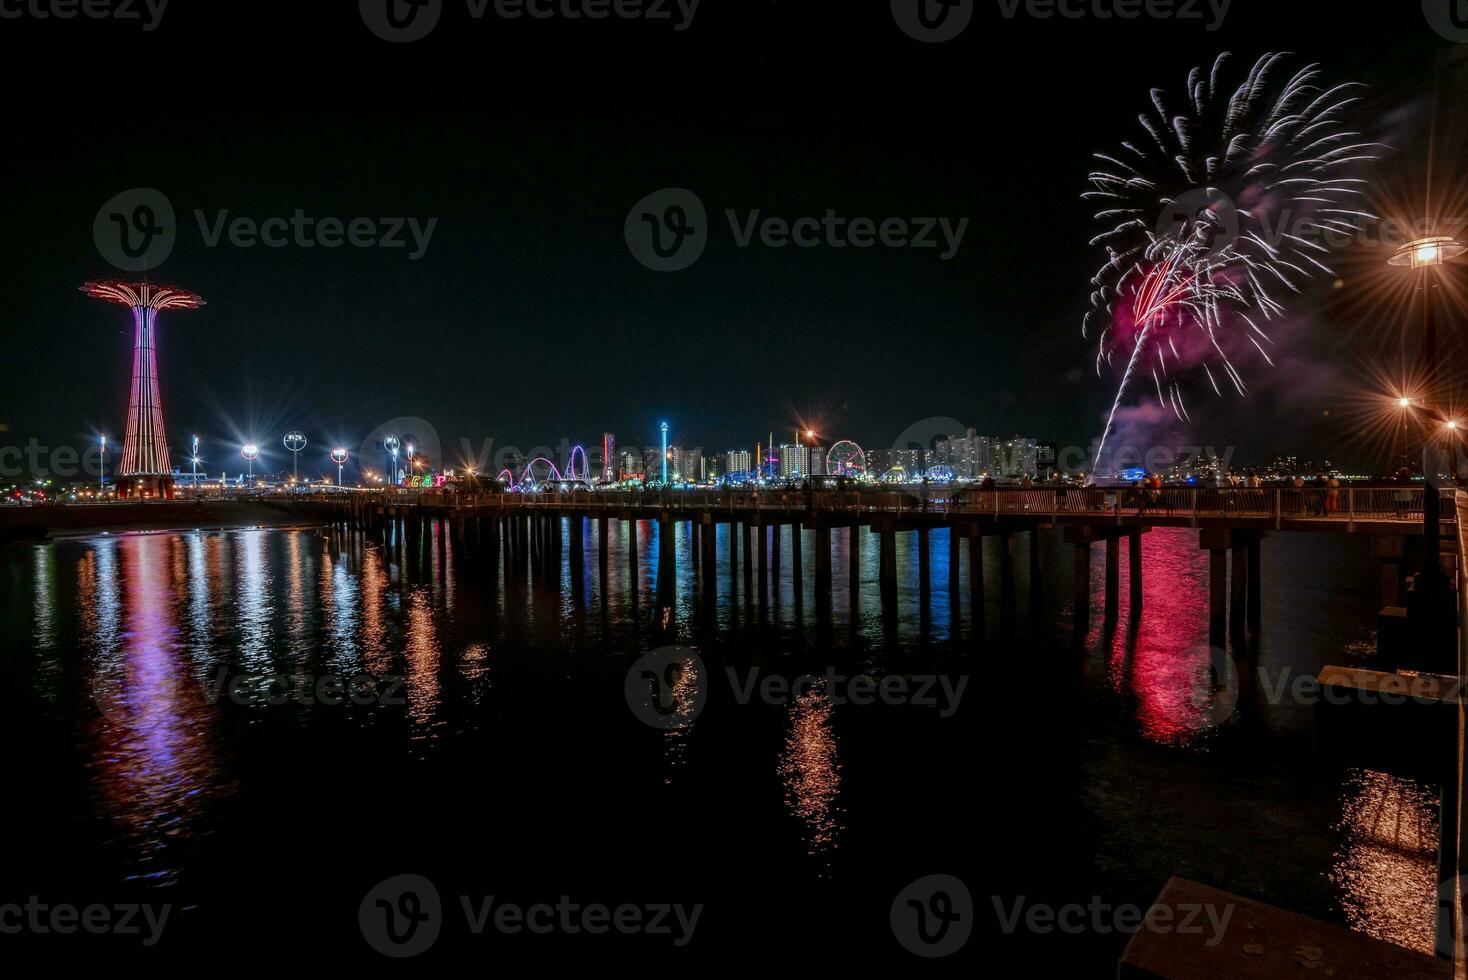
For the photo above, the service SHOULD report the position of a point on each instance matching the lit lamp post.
(1423, 256)
(339, 457)
(390, 443)
(295, 442)
(250, 452)
(195, 459)
(665, 455)
(102, 487)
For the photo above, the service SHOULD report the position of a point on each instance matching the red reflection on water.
(1178, 689)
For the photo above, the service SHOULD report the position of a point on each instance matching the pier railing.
(1124, 504)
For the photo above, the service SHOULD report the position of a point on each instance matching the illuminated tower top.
(143, 295)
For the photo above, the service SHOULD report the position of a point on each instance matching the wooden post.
(1037, 574)
(747, 545)
(976, 580)
(1113, 579)
(797, 569)
(1082, 597)
(889, 565)
(1134, 571)
(954, 560)
(1239, 585)
(925, 570)
(775, 571)
(1256, 597)
(823, 563)
(763, 546)
(709, 562)
(733, 561)
(1006, 572)
(1217, 596)
(602, 548)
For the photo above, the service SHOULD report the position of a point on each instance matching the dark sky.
(528, 320)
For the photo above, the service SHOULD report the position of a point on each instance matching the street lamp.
(102, 487)
(1423, 256)
(251, 452)
(295, 442)
(390, 443)
(339, 457)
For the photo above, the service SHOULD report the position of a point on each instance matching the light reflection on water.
(811, 772)
(151, 608)
(156, 767)
(1387, 869)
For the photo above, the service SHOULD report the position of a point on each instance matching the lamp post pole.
(102, 487)
(1424, 257)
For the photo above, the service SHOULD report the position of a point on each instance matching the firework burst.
(1221, 213)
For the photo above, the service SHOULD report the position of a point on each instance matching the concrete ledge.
(1262, 943)
(1401, 723)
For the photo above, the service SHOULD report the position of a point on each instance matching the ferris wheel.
(846, 458)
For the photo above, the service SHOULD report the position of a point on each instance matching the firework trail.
(1220, 209)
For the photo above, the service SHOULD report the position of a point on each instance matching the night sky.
(528, 321)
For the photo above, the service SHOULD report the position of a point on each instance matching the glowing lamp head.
(1426, 253)
(339, 455)
(250, 451)
(1452, 425)
(1404, 403)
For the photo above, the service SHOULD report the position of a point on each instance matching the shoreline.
(32, 524)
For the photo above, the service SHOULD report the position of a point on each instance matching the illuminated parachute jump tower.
(145, 471)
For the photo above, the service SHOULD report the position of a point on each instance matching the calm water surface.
(492, 750)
